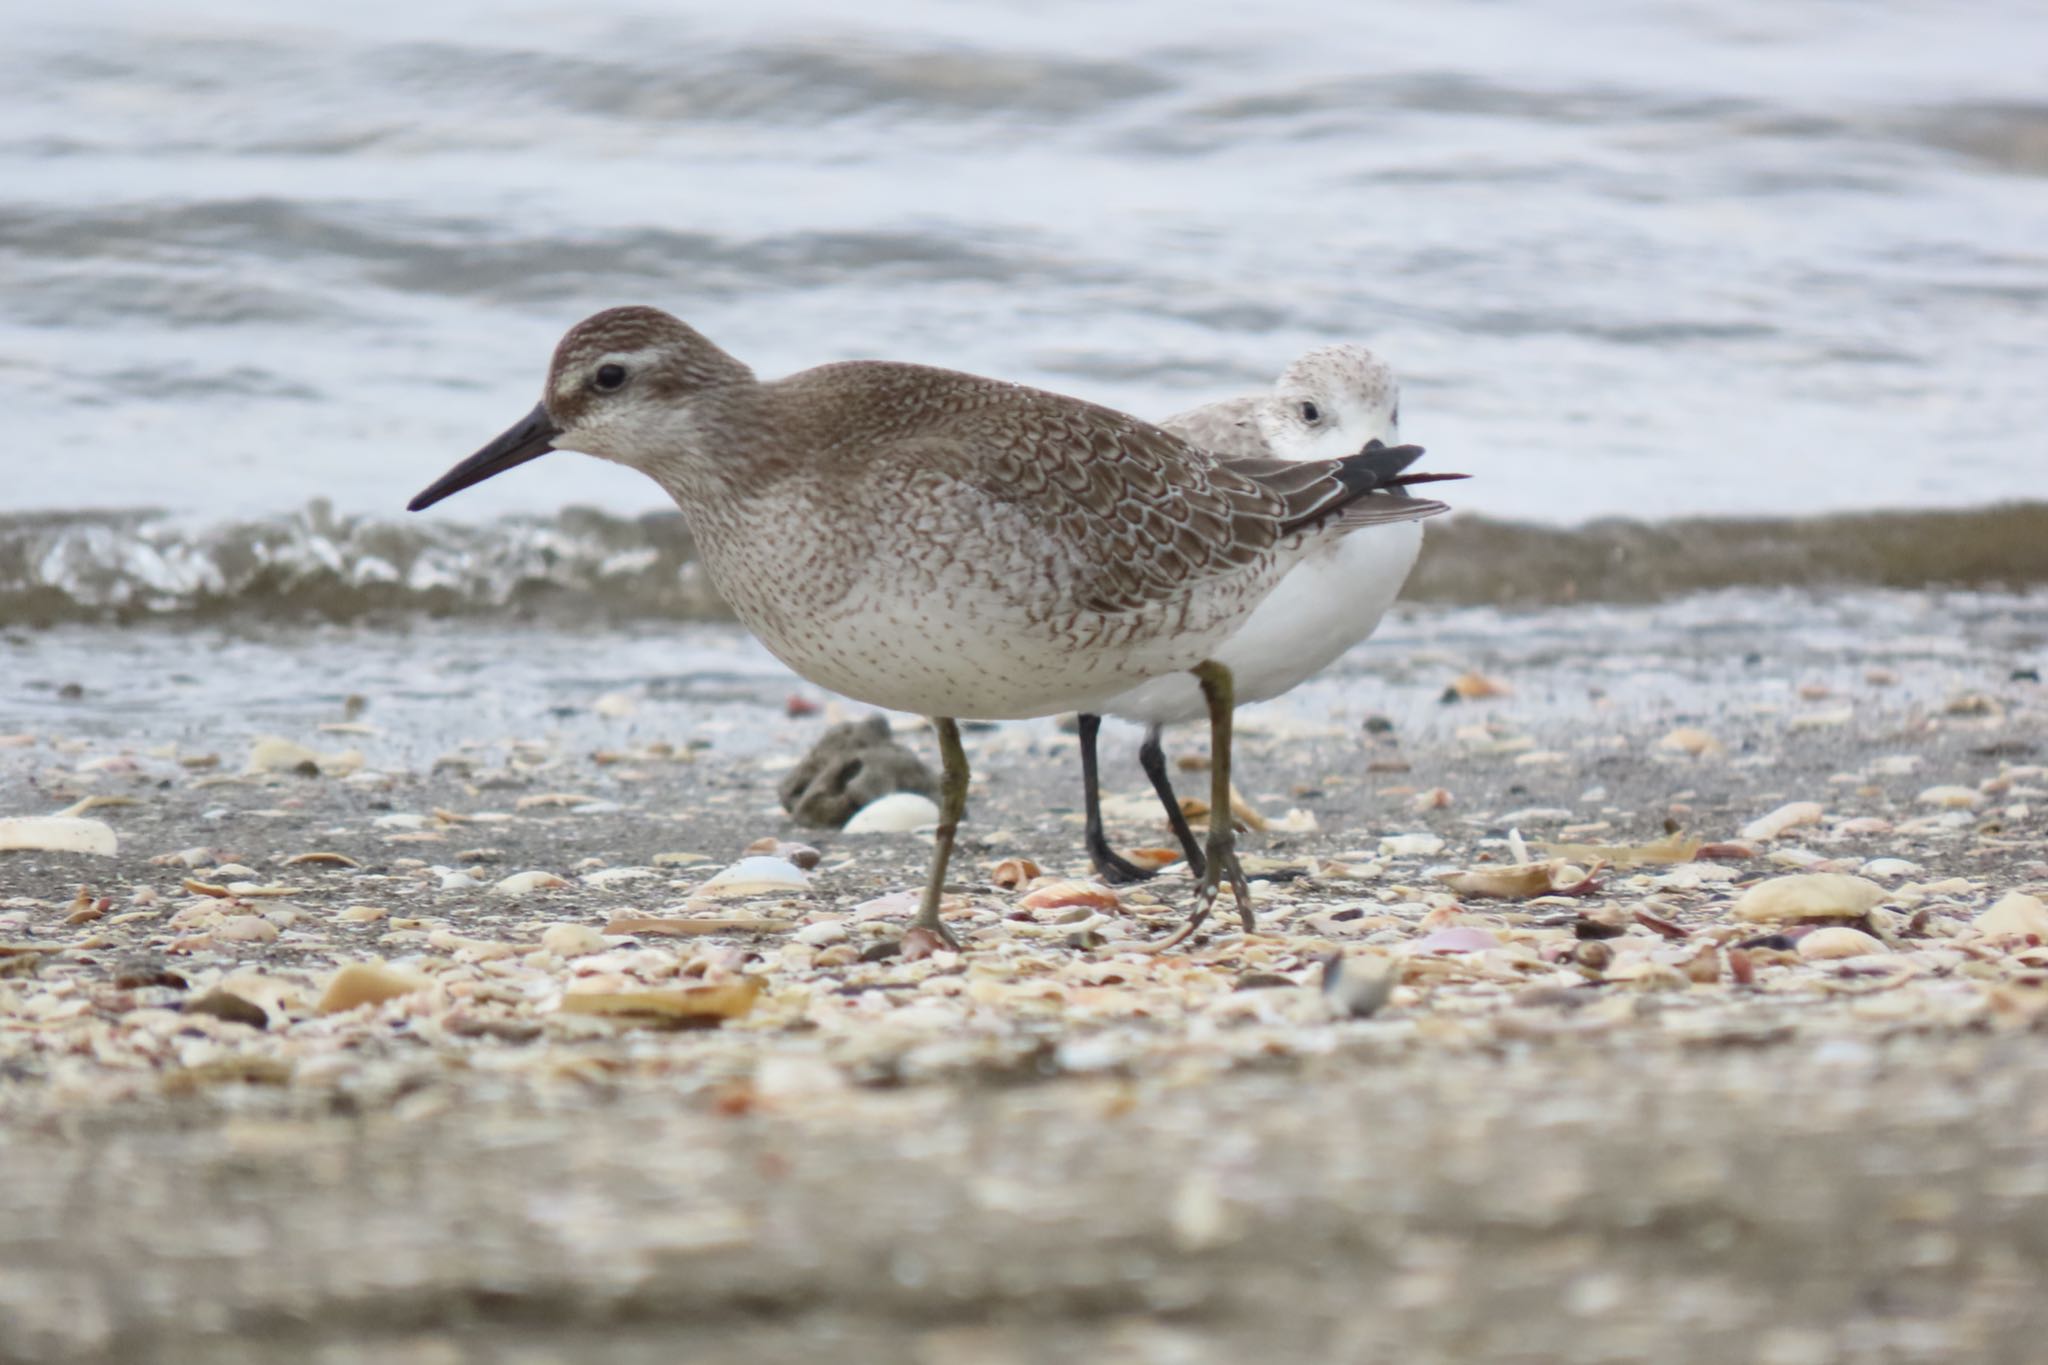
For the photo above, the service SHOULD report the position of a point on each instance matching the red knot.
(960, 547)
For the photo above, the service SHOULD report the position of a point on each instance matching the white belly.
(1326, 604)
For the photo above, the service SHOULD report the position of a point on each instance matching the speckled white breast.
(929, 615)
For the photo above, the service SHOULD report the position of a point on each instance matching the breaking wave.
(584, 564)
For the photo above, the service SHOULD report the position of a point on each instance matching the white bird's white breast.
(1326, 604)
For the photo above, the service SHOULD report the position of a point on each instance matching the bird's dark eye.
(608, 378)
(1311, 413)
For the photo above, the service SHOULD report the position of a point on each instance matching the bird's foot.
(935, 926)
(1223, 867)
(1117, 870)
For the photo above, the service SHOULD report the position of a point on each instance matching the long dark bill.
(529, 438)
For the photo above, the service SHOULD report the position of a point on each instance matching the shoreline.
(1056, 1141)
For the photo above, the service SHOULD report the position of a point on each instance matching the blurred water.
(1723, 256)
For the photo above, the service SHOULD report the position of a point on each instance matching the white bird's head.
(1329, 403)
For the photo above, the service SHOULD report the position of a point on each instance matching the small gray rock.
(850, 766)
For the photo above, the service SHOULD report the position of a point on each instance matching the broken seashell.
(691, 928)
(1672, 848)
(272, 754)
(366, 983)
(246, 929)
(1809, 896)
(1695, 742)
(1458, 939)
(1410, 845)
(526, 883)
(1839, 940)
(680, 1008)
(755, 876)
(58, 834)
(1012, 873)
(1476, 686)
(1057, 895)
(1554, 878)
(571, 940)
(1791, 815)
(2015, 913)
(322, 859)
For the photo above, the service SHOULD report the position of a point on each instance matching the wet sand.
(1595, 1126)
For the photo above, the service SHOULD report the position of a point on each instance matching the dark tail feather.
(1370, 485)
(1376, 466)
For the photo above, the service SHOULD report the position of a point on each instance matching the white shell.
(757, 876)
(896, 813)
(58, 834)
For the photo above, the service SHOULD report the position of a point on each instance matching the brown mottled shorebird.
(936, 542)
(1330, 402)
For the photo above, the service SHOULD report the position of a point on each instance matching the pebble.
(1411, 845)
(1952, 798)
(1811, 895)
(1791, 815)
(1357, 987)
(896, 813)
(223, 1005)
(1887, 868)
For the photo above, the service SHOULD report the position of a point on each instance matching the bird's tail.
(1358, 490)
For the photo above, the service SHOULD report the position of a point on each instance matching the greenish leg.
(1220, 693)
(952, 805)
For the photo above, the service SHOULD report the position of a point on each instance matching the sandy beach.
(1656, 1109)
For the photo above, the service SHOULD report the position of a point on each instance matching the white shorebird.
(941, 543)
(1330, 402)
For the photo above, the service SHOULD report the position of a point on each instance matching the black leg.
(1152, 757)
(1108, 864)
